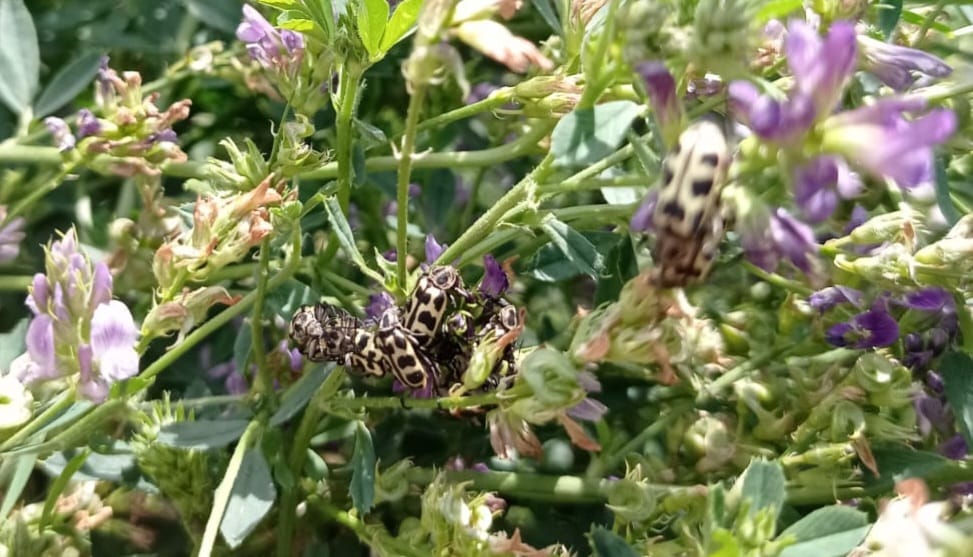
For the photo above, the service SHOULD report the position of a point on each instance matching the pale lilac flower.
(642, 218)
(233, 381)
(61, 133)
(870, 329)
(273, 49)
(77, 329)
(494, 282)
(433, 249)
(880, 140)
(895, 65)
(780, 236)
(588, 409)
(11, 235)
(827, 298)
(819, 184)
(87, 123)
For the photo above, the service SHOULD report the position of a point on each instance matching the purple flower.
(233, 381)
(881, 141)
(61, 133)
(11, 234)
(870, 329)
(77, 329)
(930, 299)
(588, 409)
(494, 282)
(87, 123)
(931, 415)
(481, 91)
(166, 135)
(273, 49)
(661, 87)
(820, 183)
(821, 69)
(769, 237)
(377, 304)
(954, 448)
(433, 249)
(827, 298)
(642, 219)
(894, 64)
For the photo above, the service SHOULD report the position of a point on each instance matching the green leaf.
(606, 543)
(763, 485)
(548, 13)
(957, 371)
(899, 462)
(373, 16)
(837, 544)
(22, 466)
(826, 521)
(942, 194)
(68, 82)
(220, 14)
(242, 344)
(402, 21)
(889, 12)
(19, 56)
(914, 18)
(621, 265)
(346, 239)
(286, 299)
(298, 395)
(201, 434)
(119, 468)
(251, 499)
(575, 247)
(12, 344)
(363, 470)
(588, 135)
(777, 9)
(298, 24)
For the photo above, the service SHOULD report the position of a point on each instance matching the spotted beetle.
(688, 216)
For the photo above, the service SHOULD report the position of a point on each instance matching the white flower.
(15, 402)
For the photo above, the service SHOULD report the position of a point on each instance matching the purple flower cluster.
(78, 331)
(892, 138)
(278, 50)
(928, 317)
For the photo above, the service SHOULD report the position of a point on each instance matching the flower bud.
(431, 65)
(631, 501)
(552, 377)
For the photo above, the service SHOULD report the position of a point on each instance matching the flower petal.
(494, 282)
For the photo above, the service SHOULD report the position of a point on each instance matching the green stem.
(15, 283)
(199, 402)
(264, 383)
(225, 316)
(524, 145)
(709, 392)
(596, 77)
(60, 404)
(12, 153)
(38, 193)
(350, 79)
(295, 461)
(404, 173)
(496, 99)
(444, 403)
(608, 463)
(489, 220)
(777, 280)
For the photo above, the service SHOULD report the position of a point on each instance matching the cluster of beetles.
(427, 344)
